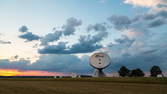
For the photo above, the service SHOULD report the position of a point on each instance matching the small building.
(160, 75)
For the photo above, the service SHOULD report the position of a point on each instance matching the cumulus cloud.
(125, 40)
(85, 44)
(23, 29)
(70, 27)
(67, 29)
(51, 37)
(97, 27)
(60, 48)
(143, 22)
(157, 23)
(120, 22)
(28, 36)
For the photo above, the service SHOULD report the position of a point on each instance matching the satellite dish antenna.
(99, 61)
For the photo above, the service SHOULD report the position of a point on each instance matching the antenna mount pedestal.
(99, 73)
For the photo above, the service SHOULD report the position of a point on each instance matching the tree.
(137, 73)
(123, 72)
(155, 70)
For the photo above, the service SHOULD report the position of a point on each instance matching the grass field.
(83, 86)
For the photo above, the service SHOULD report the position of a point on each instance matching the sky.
(57, 37)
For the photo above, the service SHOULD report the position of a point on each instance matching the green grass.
(83, 86)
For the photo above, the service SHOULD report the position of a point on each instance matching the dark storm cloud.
(29, 36)
(5, 42)
(86, 44)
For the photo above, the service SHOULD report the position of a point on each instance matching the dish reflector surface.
(100, 60)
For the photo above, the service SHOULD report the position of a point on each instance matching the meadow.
(83, 86)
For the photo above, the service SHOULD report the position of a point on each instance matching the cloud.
(70, 27)
(23, 29)
(139, 46)
(120, 22)
(153, 5)
(73, 64)
(85, 44)
(157, 23)
(63, 63)
(67, 29)
(144, 3)
(139, 53)
(125, 40)
(141, 60)
(29, 36)
(140, 23)
(51, 37)
(7, 64)
(88, 44)
(51, 63)
(97, 27)
(54, 49)
(5, 42)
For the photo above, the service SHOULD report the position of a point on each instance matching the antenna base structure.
(99, 73)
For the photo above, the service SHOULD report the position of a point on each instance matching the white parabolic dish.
(100, 60)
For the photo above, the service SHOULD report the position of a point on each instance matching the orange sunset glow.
(15, 72)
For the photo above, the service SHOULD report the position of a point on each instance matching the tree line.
(125, 72)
